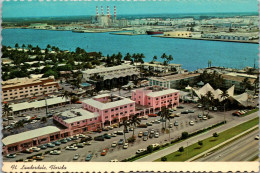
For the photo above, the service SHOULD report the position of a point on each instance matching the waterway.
(192, 54)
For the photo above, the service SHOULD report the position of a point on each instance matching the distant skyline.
(36, 8)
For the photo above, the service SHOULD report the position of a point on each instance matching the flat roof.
(31, 134)
(175, 77)
(71, 117)
(237, 78)
(37, 104)
(108, 105)
(106, 69)
(161, 93)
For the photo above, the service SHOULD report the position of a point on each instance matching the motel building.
(151, 99)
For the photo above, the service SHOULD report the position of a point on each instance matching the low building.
(159, 67)
(172, 81)
(178, 34)
(111, 108)
(237, 81)
(20, 88)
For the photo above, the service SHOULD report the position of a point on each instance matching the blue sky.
(81, 7)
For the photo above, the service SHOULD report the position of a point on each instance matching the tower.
(97, 12)
(115, 13)
(108, 12)
(102, 13)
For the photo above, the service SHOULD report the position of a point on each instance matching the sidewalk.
(197, 138)
(219, 145)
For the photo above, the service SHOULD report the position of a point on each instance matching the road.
(120, 154)
(242, 149)
(197, 138)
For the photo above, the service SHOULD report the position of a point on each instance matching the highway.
(242, 149)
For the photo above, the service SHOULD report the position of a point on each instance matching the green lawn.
(210, 142)
(250, 112)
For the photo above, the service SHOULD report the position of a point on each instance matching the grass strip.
(210, 142)
(250, 112)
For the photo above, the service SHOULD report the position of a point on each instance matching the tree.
(164, 57)
(150, 149)
(67, 95)
(246, 84)
(164, 158)
(184, 135)
(16, 46)
(7, 110)
(215, 135)
(134, 121)
(154, 58)
(125, 123)
(181, 149)
(200, 143)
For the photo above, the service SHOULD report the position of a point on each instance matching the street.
(242, 149)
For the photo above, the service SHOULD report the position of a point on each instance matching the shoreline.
(208, 39)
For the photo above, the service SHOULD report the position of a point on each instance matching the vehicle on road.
(120, 142)
(11, 155)
(191, 123)
(76, 157)
(38, 157)
(104, 152)
(55, 152)
(140, 151)
(125, 146)
(257, 137)
(89, 157)
(115, 160)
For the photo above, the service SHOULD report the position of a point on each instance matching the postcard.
(130, 86)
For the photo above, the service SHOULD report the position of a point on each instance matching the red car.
(152, 115)
(104, 152)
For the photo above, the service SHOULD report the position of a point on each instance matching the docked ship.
(154, 32)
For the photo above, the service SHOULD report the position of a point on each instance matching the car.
(75, 138)
(57, 143)
(114, 144)
(190, 111)
(104, 152)
(156, 135)
(144, 118)
(99, 138)
(71, 147)
(107, 136)
(125, 146)
(86, 139)
(55, 152)
(200, 116)
(176, 123)
(140, 134)
(170, 125)
(10, 117)
(131, 129)
(180, 107)
(200, 106)
(140, 151)
(76, 157)
(35, 149)
(145, 138)
(215, 109)
(155, 145)
(115, 160)
(80, 145)
(5, 119)
(184, 112)
(113, 134)
(120, 142)
(145, 133)
(191, 123)
(38, 157)
(63, 141)
(89, 157)
(11, 155)
(142, 126)
(50, 145)
(68, 139)
(257, 137)
(120, 133)
(81, 136)
(151, 135)
(156, 122)
(149, 124)
(43, 147)
(204, 117)
(152, 115)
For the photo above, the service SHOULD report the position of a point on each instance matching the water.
(85, 84)
(192, 54)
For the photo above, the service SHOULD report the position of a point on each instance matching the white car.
(115, 160)
(113, 135)
(204, 117)
(71, 148)
(156, 135)
(140, 151)
(81, 136)
(55, 152)
(125, 146)
(191, 123)
(155, 145)
(114, 144)
(35, 149)
(257, 137)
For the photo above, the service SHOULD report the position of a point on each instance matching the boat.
(154, 32)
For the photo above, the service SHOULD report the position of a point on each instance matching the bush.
(215, 135)
(200, 143)
(184, 135)
(165, 145)
(181, 149)
(164, 159)
(150, 149)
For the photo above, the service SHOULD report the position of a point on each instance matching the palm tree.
(7, 110)
(164, 57)
(224, 95)
(245, 84)
(256, 83)
(134, 122)
(67, 95)
(210, 97)
(125, 123)
(154, 58)
(164, 113)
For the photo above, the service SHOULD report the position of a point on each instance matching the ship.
(154, 32)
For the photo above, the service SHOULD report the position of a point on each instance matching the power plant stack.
(105, 20)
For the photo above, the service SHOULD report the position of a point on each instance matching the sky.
(45, 8)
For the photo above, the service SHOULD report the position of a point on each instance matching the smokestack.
(107, 11)
(115, 12)
(102, 13)
(97, 11)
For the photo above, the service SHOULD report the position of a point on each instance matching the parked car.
(57, 143)
(113, 134)
(204, 117)
(43, 147)
(176, 123)
(191, 123)
(152, 115)
(180, 107)
(38, 157)
(140, 134)
(156, 135)
(81, 136)
(104, 152)
(149, 124)
(120, 133)
(200, 106)
(35, 149)
(71, 147)
(76, 157)
(89, 157)
(11, 155)
(144, 118)
(170, 125)
(63, 141)
(50, 145)
(190, 111)
(55, 152)
(68, 139)
(107, 136)
(257, 137)
(145, 138)
(125, 146)
(200, 116)
(145, 133)
(151, 135)
(99, 138)
(114, 144)
(80, 145)
(142, 126)
(140, 151)
(120, 142)
(184, 112)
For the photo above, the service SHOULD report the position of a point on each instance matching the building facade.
(20, 88)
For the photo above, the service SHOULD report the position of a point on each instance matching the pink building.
(111, 108)
(155, 97)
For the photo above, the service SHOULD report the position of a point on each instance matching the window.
(30, 86)
(25, 87)
(121, 113)
(116, 108)
(121, 107)
(35, 86)
(131, 105)
(112, 115)
(125, 112)
(112, 109)
(125, 106)
(95, 118)
(106, 117)
(15, 93)
(157, 98)
(26, 91)
(106, 111)
(90, 119)
(20, 92)
(5, 91)
(20, 88)
(36, 90)
(83, 121)
(5, 95)
(78, 122)
(131, 110)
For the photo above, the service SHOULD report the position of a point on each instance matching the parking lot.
(118, 152)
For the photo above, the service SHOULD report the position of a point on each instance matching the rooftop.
(106, 69)
(77, 115)
(175, 77)
(162, 92)
(29, 135)
(237, 78)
